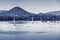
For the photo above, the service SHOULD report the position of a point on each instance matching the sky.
(33, 6)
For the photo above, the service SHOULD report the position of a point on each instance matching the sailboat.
(32, 20)
(14, 19)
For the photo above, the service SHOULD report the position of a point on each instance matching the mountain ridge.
(22, 14)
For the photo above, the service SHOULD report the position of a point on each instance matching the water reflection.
(28, 31)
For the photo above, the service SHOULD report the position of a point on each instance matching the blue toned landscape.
(29, 19)
(18, 24)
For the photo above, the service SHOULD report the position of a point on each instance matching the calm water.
(36, 31)
(29, 36)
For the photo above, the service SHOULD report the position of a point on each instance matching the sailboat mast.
(32, 20)
(14, 19)
(4, 21)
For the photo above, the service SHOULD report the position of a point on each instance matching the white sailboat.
(14, 19)
(32, 20)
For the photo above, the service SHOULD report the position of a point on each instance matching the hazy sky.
(33, 6)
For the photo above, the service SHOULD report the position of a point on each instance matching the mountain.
(54, 13)
(18, 12)
(21, 14)
(2, 11)
(50, 16)
(57, 13)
